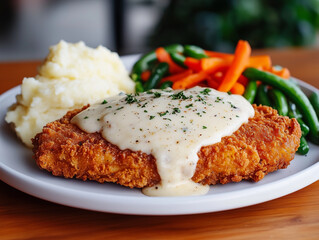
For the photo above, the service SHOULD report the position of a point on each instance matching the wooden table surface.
(295, 216)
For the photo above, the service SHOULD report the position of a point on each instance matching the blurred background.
(29, 27)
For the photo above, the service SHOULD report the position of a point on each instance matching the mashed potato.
(71, 76)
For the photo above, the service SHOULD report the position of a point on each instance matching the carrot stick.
(145, 75)
(190, 81)
(218, 76)
(219, 55)
(254, 61)
(211, 65)
(178, 76)
(238, 65)
(238, 88)
(263, 61)
(243, 80)
(193, 64)
(163, 56)
(283, 72)
(212, 82)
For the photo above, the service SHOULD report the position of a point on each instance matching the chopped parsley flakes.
(130, 99)
(206, 91)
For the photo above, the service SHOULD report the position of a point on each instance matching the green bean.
(194, 52)
(262, 95)
(294, 113)
(138, 83)
(178, 59)
(156, 76)
(279, 101)
(294, 93)
(139, 87)
(166, 84)
(303, 147)
(304, 128)
(174, 48)
(251, 91)
(314, 99)
(143, 63)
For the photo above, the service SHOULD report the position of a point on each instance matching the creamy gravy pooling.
(170, 125)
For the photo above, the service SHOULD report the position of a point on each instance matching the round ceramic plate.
(18, 169)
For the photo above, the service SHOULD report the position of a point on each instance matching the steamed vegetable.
(143, 63)
(251, 91)
(222, 71)
(294, 93)
(294, 113)
(262, 95)
(163, 56)
(303, 147)
(279, 101)
(314, 99)
(194, 52)
(159, 72)
(178, 59)
(238, 65)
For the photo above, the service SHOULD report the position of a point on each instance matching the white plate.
(18, 169)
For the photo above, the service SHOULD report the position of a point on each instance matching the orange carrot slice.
(218, 76)
(145, 75)
(283, 72)
(211, 65)
(254, 61)
(238, 88)
(212, 82)
(190, 81)
(178, 76)
(193, 63)
(163, 56)
(243, 80)
(238, 65)
(263, 61)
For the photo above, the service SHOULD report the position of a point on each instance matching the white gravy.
(170, 125)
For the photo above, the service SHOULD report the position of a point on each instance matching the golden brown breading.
(266, 143)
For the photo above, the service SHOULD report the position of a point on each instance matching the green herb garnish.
(176, 110)
(206, 91)
(157, 94)
(130, 99)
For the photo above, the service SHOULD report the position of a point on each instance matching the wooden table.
(295, 216)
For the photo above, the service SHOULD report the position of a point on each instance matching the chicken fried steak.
(266, 143)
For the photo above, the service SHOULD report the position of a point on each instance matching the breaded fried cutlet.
(266, 143)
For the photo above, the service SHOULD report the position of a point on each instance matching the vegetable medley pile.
(254, 77)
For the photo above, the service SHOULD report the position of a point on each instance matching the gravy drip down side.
(172, 125)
